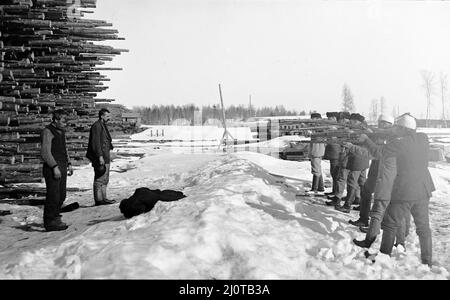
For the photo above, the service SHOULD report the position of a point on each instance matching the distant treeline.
(166, 114)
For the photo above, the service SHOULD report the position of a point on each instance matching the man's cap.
(343, 115)
(386, 118)
(333, 114)
(357, 117)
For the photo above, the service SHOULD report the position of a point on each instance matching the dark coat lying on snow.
(144, 199)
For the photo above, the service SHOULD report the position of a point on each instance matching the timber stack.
(117, 126)
(48, 60)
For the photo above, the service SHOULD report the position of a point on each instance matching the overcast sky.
(295, 53)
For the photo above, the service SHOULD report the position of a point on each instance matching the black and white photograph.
(225, 140)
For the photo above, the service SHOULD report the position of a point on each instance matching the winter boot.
(359, 223)
(364, 243)
(55, 225)
(345, 208)
(334, 201)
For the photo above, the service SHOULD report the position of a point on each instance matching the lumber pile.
(117, 126)
(48, 60)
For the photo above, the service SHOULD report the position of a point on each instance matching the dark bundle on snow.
(144, 199)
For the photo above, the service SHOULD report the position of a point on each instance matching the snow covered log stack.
(48, 60)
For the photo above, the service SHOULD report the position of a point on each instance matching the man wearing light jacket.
(316, 152)
(98, 152)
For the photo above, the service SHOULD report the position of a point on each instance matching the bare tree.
(443, 87)
(373, 114)
(382, 105)
(347, 99)
(395, 111)
(428, 85)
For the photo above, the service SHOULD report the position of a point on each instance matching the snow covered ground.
(242, 219)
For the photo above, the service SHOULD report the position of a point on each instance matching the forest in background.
(167, 114)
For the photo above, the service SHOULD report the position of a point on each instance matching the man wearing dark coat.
(384, 122)
(413, 187)
(357, 163)
(55, 170)
(98, 152)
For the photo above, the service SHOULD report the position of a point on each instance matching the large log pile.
(48, 60)
(117, 126)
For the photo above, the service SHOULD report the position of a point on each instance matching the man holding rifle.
(412, 187)
(384, 122)
(332, 154)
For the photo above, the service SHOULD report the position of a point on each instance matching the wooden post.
(226, 134)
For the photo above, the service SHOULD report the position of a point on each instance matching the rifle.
(346, 136)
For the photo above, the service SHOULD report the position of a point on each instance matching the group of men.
(57, 165)
(397, 164)
(398, 178)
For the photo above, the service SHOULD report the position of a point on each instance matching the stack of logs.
(117, 127)
(48, 61)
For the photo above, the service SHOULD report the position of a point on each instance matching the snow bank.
(238, 222)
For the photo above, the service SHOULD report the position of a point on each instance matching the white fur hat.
(386, 118)
(407, 121)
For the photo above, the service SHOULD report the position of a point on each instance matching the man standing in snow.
(387, 172)
(413, 187)
(316, 152)
(384, 122)
(98, 152)
(357, 165)
(342, 172)
(332, 154)
(55, 170)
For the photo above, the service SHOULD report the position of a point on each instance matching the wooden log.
(8, 99)
(9, 107)
(7, 160)
(27, 190)
(12, 140)
(34, 201)
(29, 136)
(29, 146)
(4, 121)
(21, 179)
(32, 160)
(20, 168)
(21, 129)
(8, 148)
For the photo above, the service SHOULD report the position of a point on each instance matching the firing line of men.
(396, 158)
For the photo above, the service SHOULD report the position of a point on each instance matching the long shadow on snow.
(314, 224)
